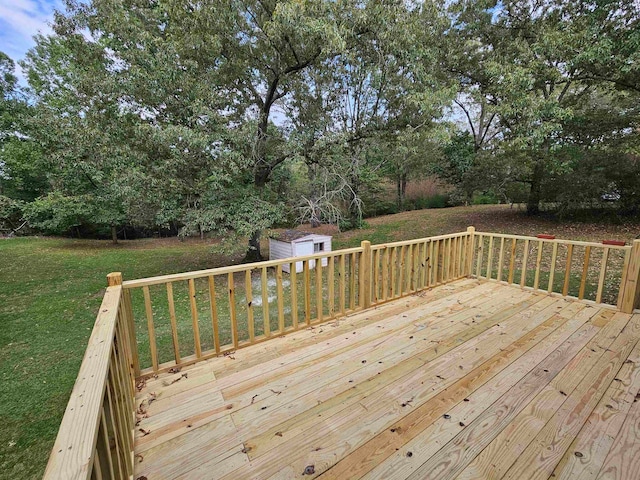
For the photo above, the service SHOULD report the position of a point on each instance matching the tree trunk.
(401, 184)
(114, 235)
(260, 178)
(535, 193)
(253, 252)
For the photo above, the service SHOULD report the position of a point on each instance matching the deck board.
(467, 380)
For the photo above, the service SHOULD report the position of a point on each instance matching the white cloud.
(20, 20)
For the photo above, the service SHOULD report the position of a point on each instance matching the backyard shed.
(296, 243)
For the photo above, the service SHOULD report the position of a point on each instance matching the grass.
(50, 291)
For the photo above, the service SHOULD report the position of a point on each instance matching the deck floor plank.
(460, 381)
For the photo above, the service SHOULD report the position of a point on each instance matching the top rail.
(404, 243)
(554, 240)
(142, 282)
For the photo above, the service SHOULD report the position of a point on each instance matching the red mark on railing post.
(545, 236)
(617, 243)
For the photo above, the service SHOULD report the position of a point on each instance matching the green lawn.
(50, 291)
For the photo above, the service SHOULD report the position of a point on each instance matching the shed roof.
(292, 235)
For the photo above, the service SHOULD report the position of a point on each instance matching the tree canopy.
(231, 117)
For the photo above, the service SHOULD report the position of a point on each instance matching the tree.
(22, 175)
(536, 64)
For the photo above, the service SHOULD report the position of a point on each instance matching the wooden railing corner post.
(630, 284)
(114, 278)
(470, 251)
(365, 274)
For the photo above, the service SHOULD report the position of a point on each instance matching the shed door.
(302, 249)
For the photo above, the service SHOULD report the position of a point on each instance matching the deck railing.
(188, 317)
(583, 270)
(154, 324)
(96, 435)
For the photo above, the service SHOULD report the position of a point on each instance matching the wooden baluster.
(603, 274)
(512, 260)
(416, 266)
(307, 292)
(536, 281)
(457, 256)
(111, 418)
(436, 261)
(214, 313)
(117, 419)
(248, 287)
(490, 258)
(343, 284)
(422, 282)
(107, 443)
(293, 277)
(567, 271)
(174, 325)
(585, 271)
(401, 271)
(500, 260)
(319, 290)
(394, 261)
(232, 310)
(126, 424)
(449, 259)
(194, 318)
(457, 253)
(552, 268)
(125, 381)
(411, 249)
(280, 292)
(385, 274)
(408, 267)
(331, 285)
(429, 262)
(445, 260)
(352, 282)
(133, 346)
(264, 279)
(97, 469)
(376, 276)
(525, 260)
(150, 327)
(480, 256)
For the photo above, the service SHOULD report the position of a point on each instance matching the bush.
(488, 198)
(433, 201)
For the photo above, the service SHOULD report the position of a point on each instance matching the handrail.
(230, 269)
(95, 439)
(555, 240)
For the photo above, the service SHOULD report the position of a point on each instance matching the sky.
(20, 20)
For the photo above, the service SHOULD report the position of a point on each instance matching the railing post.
(629, 290)
(365, 274)
(470, 251)
(114, 278)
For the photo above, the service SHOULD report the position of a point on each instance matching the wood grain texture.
(355, 397)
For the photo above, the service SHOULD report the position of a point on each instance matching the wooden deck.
(467, 380)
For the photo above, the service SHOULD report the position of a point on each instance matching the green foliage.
(488, 198)
(166, 117)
